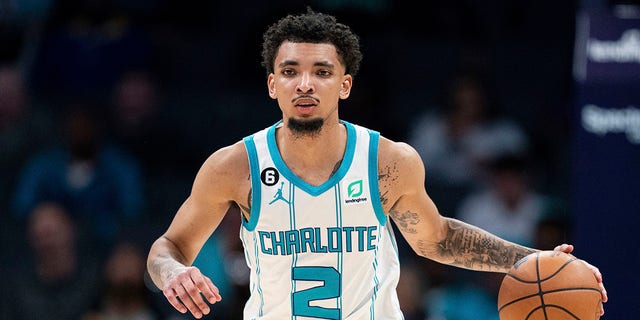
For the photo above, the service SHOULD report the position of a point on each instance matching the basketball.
(549, 285)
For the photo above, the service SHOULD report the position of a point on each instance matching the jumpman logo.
(278, 195)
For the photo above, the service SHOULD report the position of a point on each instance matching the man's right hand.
(186, 290)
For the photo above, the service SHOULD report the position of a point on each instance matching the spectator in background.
(24, 127)
(509, 206)
(455, 142)
(140, 123)
(97, 180)
(551, 228)
(124, 296)
(57, 282)
(135, 104)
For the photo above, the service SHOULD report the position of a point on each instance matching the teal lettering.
(334, 238)
(371, 237)
(347, 237)
(319, 246)
(361, 231)
(275, 243)
(292, 241)
(318, 240)
(306, 239)
(263, 236)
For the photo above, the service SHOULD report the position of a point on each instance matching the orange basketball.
(549, 285)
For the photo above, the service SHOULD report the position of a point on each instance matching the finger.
(197, 298)
(208, 289)
(200, 289)
(205, 287)
(599, 278)
(172, 297)
(605, 296)
(601, 309)
(566, 248)
(595, 270)
(187, 299)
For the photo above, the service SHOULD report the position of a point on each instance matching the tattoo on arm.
(387, 176)
(469, 247)
(384, 198)
(406, 221)
(247, 208)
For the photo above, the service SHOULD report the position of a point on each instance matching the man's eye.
(288, 72)
(324, 73)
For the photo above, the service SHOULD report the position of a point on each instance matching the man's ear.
(271, 86)
(345, 87)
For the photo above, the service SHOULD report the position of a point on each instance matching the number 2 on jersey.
(330, 277)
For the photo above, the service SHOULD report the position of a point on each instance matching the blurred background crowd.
(108, 108)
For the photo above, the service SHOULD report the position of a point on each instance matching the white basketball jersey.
(319, 252)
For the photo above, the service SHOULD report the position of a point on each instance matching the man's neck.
(313, 157)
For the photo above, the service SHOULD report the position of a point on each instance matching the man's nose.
(305, 85)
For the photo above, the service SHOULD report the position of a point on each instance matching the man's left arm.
(433, 236)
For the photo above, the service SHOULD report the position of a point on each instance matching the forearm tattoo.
(469, 247)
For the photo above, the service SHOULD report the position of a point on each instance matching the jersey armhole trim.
(254, 169)
(374, 189)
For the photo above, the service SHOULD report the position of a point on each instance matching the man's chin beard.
(305, 127)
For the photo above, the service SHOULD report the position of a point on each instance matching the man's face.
(308, 81)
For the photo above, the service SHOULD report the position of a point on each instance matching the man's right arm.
(215, 187)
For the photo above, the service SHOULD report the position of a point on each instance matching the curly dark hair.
(312, 27)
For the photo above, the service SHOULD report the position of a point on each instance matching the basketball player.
(316, 194)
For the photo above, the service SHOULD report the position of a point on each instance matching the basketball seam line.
(539, 281)
(545, 279)
(546, 292)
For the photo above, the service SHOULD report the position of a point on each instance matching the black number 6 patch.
(270, 176)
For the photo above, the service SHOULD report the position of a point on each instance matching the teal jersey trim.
(374, 189)
(256, 195)
(303, 185)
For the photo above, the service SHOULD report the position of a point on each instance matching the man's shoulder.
(396, 149)
(232, 151)
(231, 159)
(399, 155)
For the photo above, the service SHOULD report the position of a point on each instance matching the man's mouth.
(305, 109)
(305, 102)
(305, 105)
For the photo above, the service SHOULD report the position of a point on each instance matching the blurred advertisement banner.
(607, 47)
(606, 151)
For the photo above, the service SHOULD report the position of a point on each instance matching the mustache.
(305, 96)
